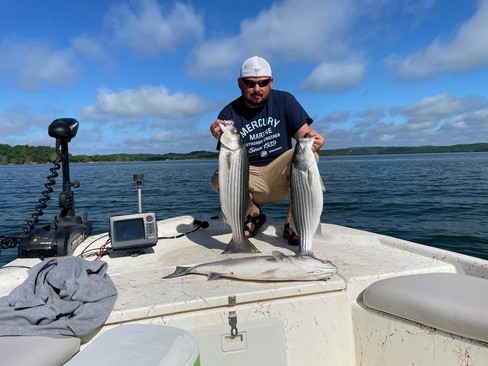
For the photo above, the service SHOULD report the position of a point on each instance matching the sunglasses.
(252, 83)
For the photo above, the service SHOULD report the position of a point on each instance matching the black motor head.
(63, 128)
(138, 178)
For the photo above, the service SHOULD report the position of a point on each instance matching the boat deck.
(279, 310)
(361, 258)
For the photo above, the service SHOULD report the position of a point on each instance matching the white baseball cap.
(255, 67)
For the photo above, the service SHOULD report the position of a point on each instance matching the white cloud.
(218, 58)
(337, 76)
(299, 29)
(88, 46)
(146, 28)
(437, 120)
(23, 125)
(419, 9)
(467, 50)
(474, 124)
(432, 117)
(144, 102)
(370, 115)
(457, 123)
(291, 30)
(481, 115)
(336, 117)
(34, 63)
(440, 106)
(181, 137)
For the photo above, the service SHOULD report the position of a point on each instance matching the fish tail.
(180, 271)
(240, 246)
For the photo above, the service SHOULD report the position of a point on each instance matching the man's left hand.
(318, 142)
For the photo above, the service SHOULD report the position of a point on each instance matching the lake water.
(435, 199)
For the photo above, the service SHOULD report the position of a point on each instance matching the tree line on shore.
(25, 154)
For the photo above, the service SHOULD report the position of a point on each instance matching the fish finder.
(133, 232)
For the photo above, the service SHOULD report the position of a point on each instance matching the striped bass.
(306, 194)
(276, 267)
(234, 197)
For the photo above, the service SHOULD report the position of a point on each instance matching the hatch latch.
(233, 324)
(231, 300)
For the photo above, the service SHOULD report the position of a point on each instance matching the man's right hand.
(215, 129)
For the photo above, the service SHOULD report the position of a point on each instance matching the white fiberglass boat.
(392, 302)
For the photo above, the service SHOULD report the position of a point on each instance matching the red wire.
(102, 249)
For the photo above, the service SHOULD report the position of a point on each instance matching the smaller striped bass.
(306, 194)
(276, 267)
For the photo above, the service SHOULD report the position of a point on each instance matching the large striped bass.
(277, 267)
(235, 202)
(306, 194)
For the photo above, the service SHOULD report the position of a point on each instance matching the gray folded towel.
(61, 297)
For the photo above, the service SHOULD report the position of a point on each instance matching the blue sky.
(150, 76)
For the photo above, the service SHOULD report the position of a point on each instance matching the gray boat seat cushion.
(37, 350)
(139, 345)
(451, 302)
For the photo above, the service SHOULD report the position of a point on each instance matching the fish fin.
(245, 246)
(318, 232)
(310, 176)
(213, 275)
(249, 206)
(180, 271)
(223, 219)
(278, 256)
(305, 253)
(292, 225)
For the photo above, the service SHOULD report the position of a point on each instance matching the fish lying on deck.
(306, 194)
(276, 267)
(234, 187)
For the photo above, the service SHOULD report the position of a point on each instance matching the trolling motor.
(66, 231)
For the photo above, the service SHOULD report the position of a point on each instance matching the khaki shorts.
(269, 183)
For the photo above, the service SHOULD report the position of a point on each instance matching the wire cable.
(199, 223)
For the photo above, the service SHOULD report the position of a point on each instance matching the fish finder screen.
(131, 229)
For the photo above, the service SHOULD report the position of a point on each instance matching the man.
(267, 119)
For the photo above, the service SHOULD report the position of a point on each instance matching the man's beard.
(256, 100)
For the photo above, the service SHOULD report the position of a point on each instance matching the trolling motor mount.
(66, 231)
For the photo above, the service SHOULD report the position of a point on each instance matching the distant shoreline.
(25, 154)
(392, 150)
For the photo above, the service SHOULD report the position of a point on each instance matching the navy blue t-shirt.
(267, 131)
